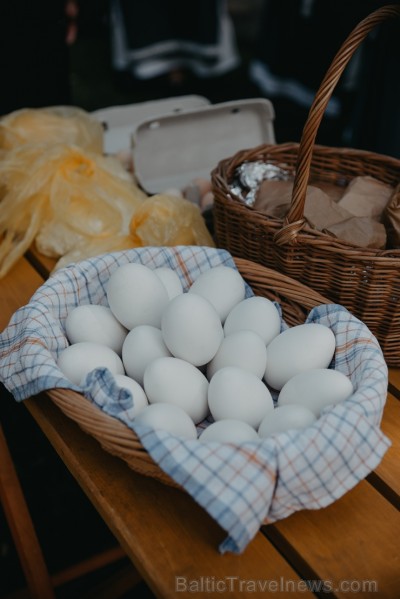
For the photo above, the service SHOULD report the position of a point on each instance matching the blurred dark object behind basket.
(296, 42)
(34, 54)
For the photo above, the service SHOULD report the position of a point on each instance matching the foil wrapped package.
(249, 175)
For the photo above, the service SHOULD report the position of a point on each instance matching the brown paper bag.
(274, 197)
(361, 231)
(366, 196)
(322, 212)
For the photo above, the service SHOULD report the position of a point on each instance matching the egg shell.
(244, 349)
(203, 184)
(256, 314)
(175, 381)
(237, 394)
(77, 360)
(142, 345)
(191, 328)
(284, 418)
(192, 193)
(95, 323)
(170, 280)
(299, 348)
(136, 295)
(168, 417)
(138, 394)
(229, 431)
(207, 201)
(316, 389)
(222, 286)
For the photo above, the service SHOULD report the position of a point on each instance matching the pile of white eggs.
(207, 355)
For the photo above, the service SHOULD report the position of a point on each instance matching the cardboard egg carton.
(120, 121)
(171, 150)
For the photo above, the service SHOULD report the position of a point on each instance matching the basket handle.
(294, 220)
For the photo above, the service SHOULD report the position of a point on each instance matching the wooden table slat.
(160, 527)
(17, 287)
(394, 381)
(388, 471)
(354, 539)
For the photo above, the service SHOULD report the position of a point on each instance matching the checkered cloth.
(240, 486)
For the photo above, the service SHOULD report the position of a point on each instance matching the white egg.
(284, 418)
(136, 295)
(299, 348)
(191, 328)
(207, 201)
(316, 389)
(244, 349)
(142, 345)
(172, 380)
(77, 360)
(138, 394)
(168, 417)
(229, 431)
(237, 394)
(170, 280)
(256, 314)
(90, 322)
(222, 286)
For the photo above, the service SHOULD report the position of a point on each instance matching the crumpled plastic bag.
(90, 248)
(166, 220)
(161, 220)
(57, 189)
(44, 189)
(52, 125)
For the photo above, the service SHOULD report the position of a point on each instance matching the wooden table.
(351, 547)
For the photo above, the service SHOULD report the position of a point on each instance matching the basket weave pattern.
(272, 477)
(365, 280)
(119, 440)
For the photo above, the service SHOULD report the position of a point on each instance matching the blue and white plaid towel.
(240, 486)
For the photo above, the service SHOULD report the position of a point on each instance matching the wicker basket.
(296, 301)
(365, 281)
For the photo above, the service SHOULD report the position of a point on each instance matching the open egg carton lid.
(120, 121)
(171, 150)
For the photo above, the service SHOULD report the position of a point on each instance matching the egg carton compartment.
(172, 150)
(119, 122)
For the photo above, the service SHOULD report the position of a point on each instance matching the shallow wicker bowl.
(296, 301)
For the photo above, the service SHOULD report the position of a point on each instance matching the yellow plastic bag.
(52, 125)
(44, 189)
(169, 220)
(159, 220)
(89, 248)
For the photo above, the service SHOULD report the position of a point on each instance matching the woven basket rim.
(293, 225)
(114, 435)
(221, 178)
